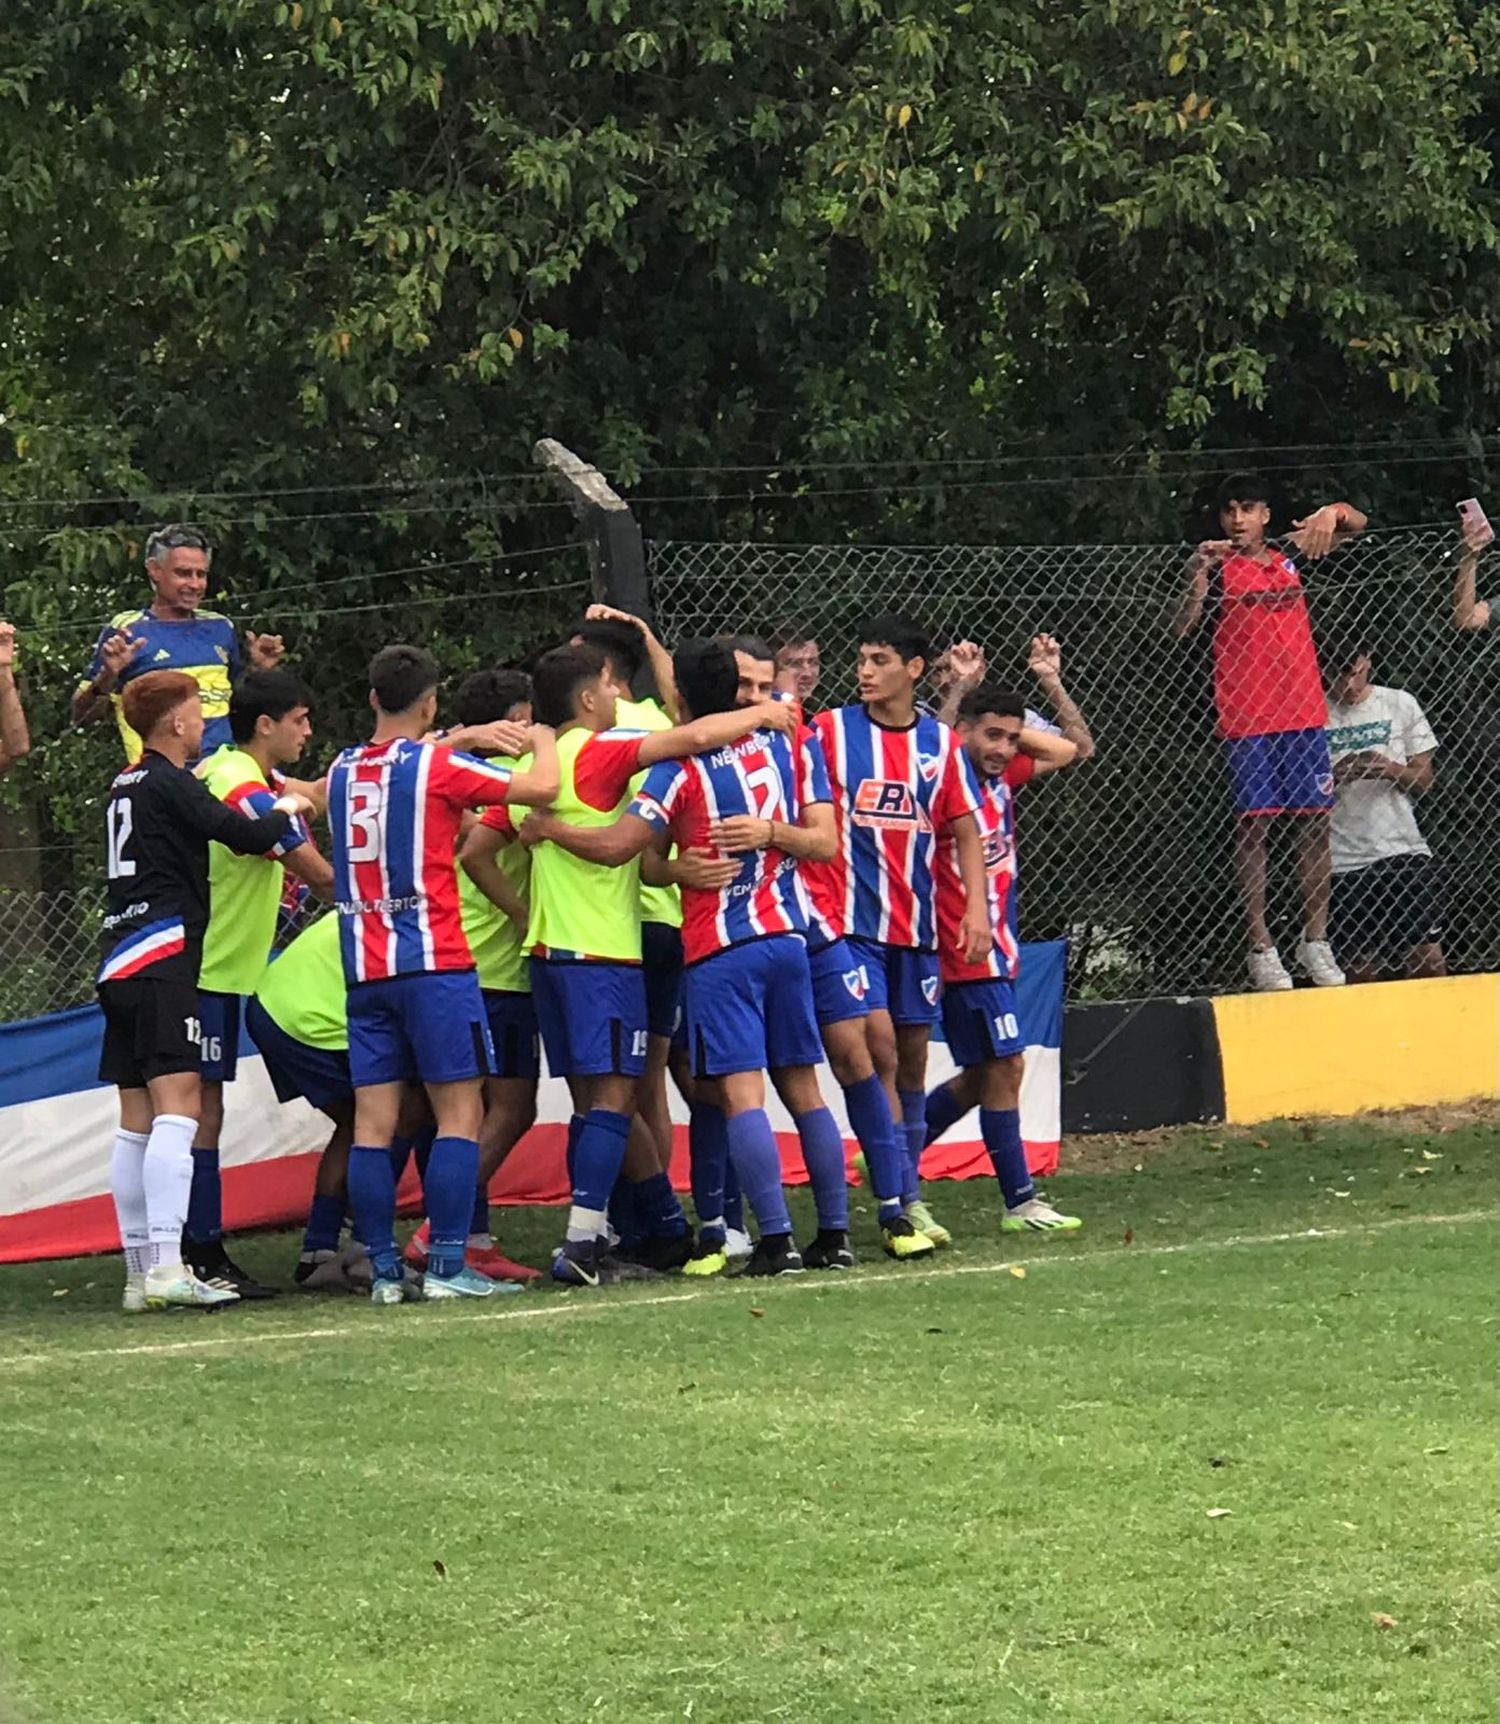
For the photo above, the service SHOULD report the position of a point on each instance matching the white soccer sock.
(584, 1224)
(168, 1171)
(128, 1187)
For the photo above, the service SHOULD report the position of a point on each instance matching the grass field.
(1228, 1456)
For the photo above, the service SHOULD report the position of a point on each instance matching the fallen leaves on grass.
(1219, 1513)
(757, 1310)
(1018, 1271)
(439, 1568)
(1437, 1449)
(1381, 1620)
(1130, 1236)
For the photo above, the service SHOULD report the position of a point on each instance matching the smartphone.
(1470, 513)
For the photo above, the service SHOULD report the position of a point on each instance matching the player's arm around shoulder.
(718, 730)
(537, 784)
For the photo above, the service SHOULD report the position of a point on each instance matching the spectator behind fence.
(1387, 890)
(799, 664)
(1272, 713)
(15, 739)
(173, 633)
(1475, 533)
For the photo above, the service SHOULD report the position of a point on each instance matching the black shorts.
(1386, 908)
(151, 1030)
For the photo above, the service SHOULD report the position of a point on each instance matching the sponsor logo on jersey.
(930, 989)
(161, 653)
(884, 802)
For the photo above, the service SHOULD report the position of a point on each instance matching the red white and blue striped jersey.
(894, 793)
(764, 775)
(394, 809)
(997, 829)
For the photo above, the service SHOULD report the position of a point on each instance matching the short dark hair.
(269, 693)
(904, 637)
(619, 642)
(991, 701)
(707, 677)
(556, 678)
(1339, 653)
(400, 675)
(1243, 488)
(488, 695)
(753, 646)
(148, 699)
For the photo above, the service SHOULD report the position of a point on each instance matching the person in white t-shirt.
(1387, 891)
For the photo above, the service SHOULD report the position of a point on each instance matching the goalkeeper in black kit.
(158, 824)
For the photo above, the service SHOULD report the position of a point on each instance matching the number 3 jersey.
(394, 809)
(765, 776)
(159, 821)
(894, 793)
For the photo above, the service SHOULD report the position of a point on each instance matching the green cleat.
(707, 1259)
(922, 1218)
(902, 1240)
(1036, 1216)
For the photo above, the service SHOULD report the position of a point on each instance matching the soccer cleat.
(322, 1272)
(466, 1284)
(774, 1255)
(133, 1299)
(1036, 1215)
(738, 1245)
(1316, 961)
(491, 1262)
(662, 1254)
(175, 1284)
(385, 1290)
(707, 1259)
(1268, 975)
(830, 1250)
(578, 1264)
(357, 1266)
(210, 1262)
(925, 1222)
(902, 1241)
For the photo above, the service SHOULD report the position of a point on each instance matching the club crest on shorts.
(930, 989)
(1325, 784)
(856, 983)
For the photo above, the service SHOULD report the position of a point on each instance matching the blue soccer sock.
(452, 1172)
(658, 1212)
(205, 1215)
(479, 1220)
(823, 1151)
(400, 1152)
(625, 1215)
(575, 1125)
(1001, 1131)
(734, 1197)
(324, 1220)
(598, 1157)
(755, 1157)
(422, 1148)
(885, 1157)
(914, 1132)
(372, 1197)
(709, 1170)
(944, 1110)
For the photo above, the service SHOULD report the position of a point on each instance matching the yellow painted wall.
(1340, 1050)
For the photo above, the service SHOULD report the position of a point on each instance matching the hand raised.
(265, 652)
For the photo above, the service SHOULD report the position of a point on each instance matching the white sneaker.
(1268, 975)
(175, 1284)
(1316, 962)
(738, 1245)
(133, 1299)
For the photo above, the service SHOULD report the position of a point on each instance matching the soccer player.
(416, 1013)
(15, 739)
(173, 633)
(900, 781)
(980, 1014)
(270, 726)
(748, 994)
(1272, 713)
(584, 936)
(159, 821)
(841, 1005)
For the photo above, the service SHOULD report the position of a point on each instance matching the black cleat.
(774, 1254)
(210, 1262)
(830, 1250)
(664, 1255)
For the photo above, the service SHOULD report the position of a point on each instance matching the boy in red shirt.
(1272, 712)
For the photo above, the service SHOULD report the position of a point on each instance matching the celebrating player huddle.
(839, 882)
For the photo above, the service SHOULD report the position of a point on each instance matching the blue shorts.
(750, 1008)
(901, 981)
(592, 1017)
(513, 1034)
(219, 1047)
(661, 964)
(318, 1075)
(427, 1028)
(1282, 772)
(841, 986)
(980, 1022)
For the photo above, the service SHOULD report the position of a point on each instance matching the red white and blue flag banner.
(57, 1123)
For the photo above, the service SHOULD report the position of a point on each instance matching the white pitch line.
(584, 1305)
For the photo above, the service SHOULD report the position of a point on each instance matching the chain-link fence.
(1132, 856)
